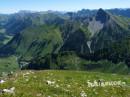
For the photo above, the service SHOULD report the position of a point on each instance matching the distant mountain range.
(57, 40)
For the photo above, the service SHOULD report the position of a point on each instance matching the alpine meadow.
(67, 53)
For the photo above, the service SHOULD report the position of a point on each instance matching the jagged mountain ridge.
(50, 33)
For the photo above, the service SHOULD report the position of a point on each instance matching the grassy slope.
(67, 84)
(38, 40)
(122, 21)
(71, 61)
(8, 64)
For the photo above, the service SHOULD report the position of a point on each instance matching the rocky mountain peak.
(102, 16)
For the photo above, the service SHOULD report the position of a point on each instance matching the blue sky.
(11, 6)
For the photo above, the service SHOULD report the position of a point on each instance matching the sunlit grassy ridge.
(64, 84)
(4, 38)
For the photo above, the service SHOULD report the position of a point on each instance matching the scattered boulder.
(50, 82)
(2, 81)
(10, 91)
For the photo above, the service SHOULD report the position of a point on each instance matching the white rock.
(10, 91)
(50, 82)
(39, 95)
(83, 94)
(57, 86)
(2, 81)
